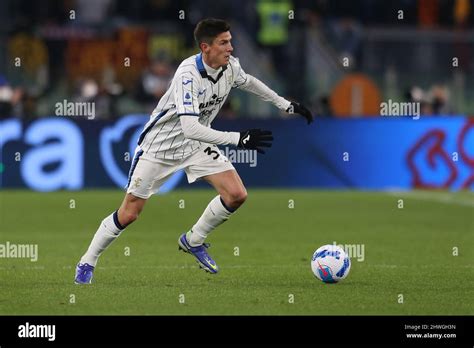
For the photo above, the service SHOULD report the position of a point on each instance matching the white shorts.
(148, 174)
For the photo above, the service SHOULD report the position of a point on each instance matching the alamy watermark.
(393, 108)
(37, 331)
(68, 108)
(240, 156)
(22, 251)
(354, 251)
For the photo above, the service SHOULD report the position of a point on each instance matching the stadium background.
(352, 177)
(340, 58)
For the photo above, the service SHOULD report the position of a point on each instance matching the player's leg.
(209, 164)
(112, 226)
(109, 229)
(231, 195)
(142, 177)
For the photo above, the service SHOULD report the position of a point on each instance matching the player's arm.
(192, 129)
(253, 139)
(186, 96)
(253, 85)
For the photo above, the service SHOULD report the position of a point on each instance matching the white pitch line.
(443, 197)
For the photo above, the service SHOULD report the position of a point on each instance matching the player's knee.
(127, 217)
(238, 197)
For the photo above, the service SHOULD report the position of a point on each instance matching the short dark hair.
(208, 29)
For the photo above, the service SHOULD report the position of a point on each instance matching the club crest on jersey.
(136, 183)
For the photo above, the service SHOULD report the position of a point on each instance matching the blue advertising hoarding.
(398, 152)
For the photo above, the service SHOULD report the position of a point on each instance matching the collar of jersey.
(203, 71)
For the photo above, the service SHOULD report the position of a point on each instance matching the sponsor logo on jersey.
(207, 113)
(213, 102)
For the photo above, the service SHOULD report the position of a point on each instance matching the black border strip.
(262, 330)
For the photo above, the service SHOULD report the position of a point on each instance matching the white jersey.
(193, 92)
(199, 91)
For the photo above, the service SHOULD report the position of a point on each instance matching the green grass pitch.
(407, 251)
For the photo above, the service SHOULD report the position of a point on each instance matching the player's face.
(218, 53)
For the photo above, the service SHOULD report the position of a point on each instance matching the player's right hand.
(255, 139)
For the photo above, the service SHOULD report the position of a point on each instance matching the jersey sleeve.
(257, 87)
(240, 77)
(186, 94)
(192, 129)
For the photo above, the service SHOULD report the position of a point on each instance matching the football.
(330, 263)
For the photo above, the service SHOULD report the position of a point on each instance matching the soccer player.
(178, 136)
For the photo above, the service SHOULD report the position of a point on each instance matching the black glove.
(254, 139)
(296, 108)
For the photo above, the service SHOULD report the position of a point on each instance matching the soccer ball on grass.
(330, 263)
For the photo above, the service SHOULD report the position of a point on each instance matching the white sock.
(108, 231)
(215, 214)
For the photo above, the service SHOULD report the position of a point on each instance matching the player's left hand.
(296, 108)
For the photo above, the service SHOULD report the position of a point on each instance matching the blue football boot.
(84, 273)
(200, 253)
